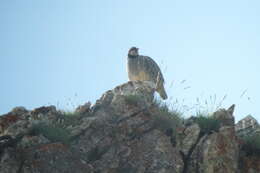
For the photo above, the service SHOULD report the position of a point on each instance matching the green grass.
(166, 119)
(251, 144)
(71, 118)
(54, 134)
(58, 132)
(132, 99)
(69, 113)
(207, 123)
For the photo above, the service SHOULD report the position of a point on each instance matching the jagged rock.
(11, 122)
(216, 152)
(48, 113)
(118, 134)
(190, 137)
(54, 157)
(247, 126)
(250, 164)
(30, 141)
(20, 120)
(19, 110)
(116, 97)
(225, 117)
(10, 161)
(121, 136)
(83, 108)
(43, 110)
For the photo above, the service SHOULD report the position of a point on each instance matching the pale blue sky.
(65, 53)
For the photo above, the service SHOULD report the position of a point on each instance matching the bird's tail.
(162, 93)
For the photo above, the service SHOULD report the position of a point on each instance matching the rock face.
(118, 134)
(215, 153)
(247, 126)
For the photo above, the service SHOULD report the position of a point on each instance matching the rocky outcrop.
(248, 131)
(216, 151)
(247, 126)
(125, 131)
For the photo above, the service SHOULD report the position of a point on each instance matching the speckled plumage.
(144, 68)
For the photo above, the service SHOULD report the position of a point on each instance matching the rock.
(250, 164)
(143, 90)
(215, 153)
(30, 141)
(19, 110)
(83, 108)
(10, 161)
(12, 119)
(119, 135)
(190, 135)
(44, 110)
(20, 120)
(225, 117)
(54, 157)
(247, 126)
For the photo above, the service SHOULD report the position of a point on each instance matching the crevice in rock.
(21, 166)
(9, 141)
(96, 154)
(186, 159)
(5, 141)
(132, 115)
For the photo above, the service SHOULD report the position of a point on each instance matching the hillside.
(126, 131)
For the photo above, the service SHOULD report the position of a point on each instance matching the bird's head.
(133, 52)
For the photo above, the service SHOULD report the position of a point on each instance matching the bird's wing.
(153, 69)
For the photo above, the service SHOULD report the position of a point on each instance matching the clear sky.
(65, 53)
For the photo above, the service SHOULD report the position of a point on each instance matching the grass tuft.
(71, 118)
(207, 123)
(166, 119)
(132, 99)
(54, 134)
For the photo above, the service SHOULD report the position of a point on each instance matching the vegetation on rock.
(122, 133)
(132, 99)
(54, 134)
(207, 124)
(165, 119)
(251, 144)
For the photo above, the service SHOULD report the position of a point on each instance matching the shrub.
(132, 99)
(71, 118)
(251, 144)
(207, 123)
(54, 134)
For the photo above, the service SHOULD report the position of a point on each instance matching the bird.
(144, 68)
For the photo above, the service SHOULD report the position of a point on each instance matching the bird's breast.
(136, 71)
